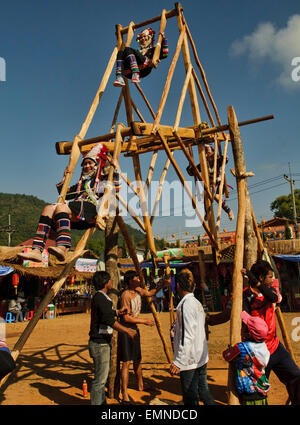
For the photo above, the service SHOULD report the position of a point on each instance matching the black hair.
(100, 279)
(185, 280)
(130, 274)
(261, 268)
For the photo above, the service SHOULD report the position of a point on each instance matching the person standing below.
(103, 321)
(258, 300)
(159, 296)
(190, 345)
(128, 349)
(250, 357)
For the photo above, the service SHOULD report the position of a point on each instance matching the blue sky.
(55, 53)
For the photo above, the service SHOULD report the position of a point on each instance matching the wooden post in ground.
(237, 279)
(111, 266)
(168, 278)
(202, 273)
(135, 260)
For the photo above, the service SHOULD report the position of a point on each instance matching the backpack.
(249, 377)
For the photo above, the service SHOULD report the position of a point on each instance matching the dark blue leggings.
(287, 371)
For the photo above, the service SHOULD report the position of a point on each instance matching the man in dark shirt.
(103, 321)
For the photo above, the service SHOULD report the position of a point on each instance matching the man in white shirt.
(190, 346)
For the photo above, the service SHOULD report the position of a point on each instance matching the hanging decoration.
(15, 281)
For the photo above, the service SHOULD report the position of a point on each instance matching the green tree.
(283, 205)
(288, 232)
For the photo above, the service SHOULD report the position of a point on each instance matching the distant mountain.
(25, 211)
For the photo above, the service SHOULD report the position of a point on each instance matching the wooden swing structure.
(152, 137)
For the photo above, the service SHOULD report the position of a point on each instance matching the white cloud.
(278, 46)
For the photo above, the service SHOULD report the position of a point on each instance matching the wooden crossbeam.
(145, 129)
(168, 15)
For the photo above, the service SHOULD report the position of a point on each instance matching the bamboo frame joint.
(243, 175)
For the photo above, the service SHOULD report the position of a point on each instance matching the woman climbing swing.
(136, 64)
(80, 212)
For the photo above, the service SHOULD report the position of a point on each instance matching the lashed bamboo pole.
(138, 176)
(201, 264)
(135, 260)
(203, 75)
(221, 187)
(168, 15)
(119, 37)
(168, 278)
(137, 111)
(237, 280)
(150, 172)
(168, 82)
(156, 54)
(260, 244)
(128, 104)
(215, 167)
(64, 148)
(182, 97)
(145, 100)
(208, 92)
(197, 122)
(187, 189)
(130, 34)
(125, 178)
(203, 97)
(187, 62)
(159, 190)
(143, 204)
(208, 203)
(104, 207)
(284, 333)
(75, 152)
(116, 114)
(131, 212)
(192, 163)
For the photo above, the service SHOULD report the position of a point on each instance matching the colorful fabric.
(42, 233)
(250, 373)
(133, 64)
(63, 229)
(119, 65)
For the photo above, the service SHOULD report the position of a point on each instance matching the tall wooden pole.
(168, 278)
(111, 266)
(250, 255)
(136, 263)
(237, 279)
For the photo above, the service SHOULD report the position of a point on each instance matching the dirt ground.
(55, 360)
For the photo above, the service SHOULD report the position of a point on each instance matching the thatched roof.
(8, 258)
